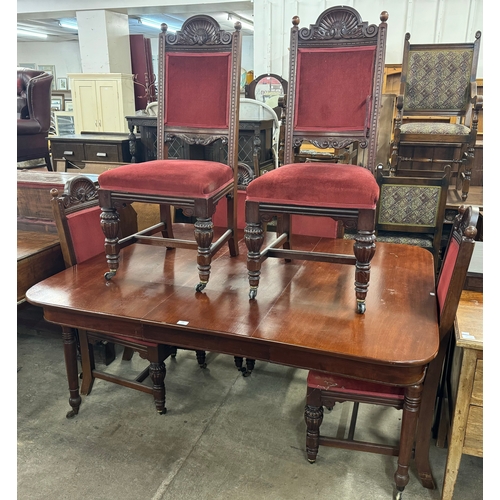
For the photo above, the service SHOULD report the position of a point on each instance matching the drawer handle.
(101, 154)
(68, 153)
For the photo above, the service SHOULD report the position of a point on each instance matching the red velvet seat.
(325, 389)
(333, 101)
(198, 99)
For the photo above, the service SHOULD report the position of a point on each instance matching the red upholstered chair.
(325, 390)
(198, 99)
(334, 95)
(33, 115)
(77, 218)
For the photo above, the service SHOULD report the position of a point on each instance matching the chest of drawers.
(90, 147)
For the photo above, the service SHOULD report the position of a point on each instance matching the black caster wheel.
(200, 286)
(109, 275)
(361, 307)
(253, 293)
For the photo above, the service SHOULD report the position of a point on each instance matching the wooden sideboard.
(88, 147)
(38, 250)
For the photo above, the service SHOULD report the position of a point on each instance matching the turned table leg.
(71, 360)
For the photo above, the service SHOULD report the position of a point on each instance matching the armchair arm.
(38, 94)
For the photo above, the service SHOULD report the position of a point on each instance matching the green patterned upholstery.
(438, 79)
(415, 205)
(434, 128)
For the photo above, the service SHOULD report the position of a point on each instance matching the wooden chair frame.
(202, 35)
(463, 144)
(82, 194)
(355, 32)
(340, 389)
(442, 181)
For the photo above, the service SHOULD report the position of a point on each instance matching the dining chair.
(437, 81)
(411, 210)
(327, 389)
(198, 101)
(77, 218)
(333, 100)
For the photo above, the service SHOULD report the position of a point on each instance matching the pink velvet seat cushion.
(185, 178)
(337, 383)
(318, 185)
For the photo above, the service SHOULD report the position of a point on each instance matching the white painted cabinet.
(101, 101)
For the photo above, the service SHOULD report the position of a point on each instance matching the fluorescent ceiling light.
(31, 33)
(157, 26)
(70, 26)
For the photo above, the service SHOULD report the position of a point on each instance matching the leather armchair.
(33, 115)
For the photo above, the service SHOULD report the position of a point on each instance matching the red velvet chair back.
(455, 265)
(335, 82)
(199, 84)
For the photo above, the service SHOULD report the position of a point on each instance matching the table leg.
(425, 421)
(411, 407)
(71, 360)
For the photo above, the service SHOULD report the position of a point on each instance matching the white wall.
(64, 56)
(428, 21)
(431, 21)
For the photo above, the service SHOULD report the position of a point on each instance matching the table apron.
(244, 346)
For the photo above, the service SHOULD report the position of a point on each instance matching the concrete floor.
(224, 436)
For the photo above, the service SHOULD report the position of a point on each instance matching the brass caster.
(253, 293)
(246, 373)
(71, 413)
(109, 275)
(311, 461)
(162, 412)
(204, 365)
(361, 308)
(201, 286)
(399, 495)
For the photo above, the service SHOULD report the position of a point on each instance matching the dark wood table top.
(304, 314)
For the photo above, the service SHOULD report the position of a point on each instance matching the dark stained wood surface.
(39, 256)
(304, 316)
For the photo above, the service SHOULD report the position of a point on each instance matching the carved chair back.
(411, 210)
(199, 86)
(335, 82)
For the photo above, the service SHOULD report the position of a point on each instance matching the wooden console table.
(290, 323)
(466, 381)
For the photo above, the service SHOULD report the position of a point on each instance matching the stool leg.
(204, 234)
(110, 224)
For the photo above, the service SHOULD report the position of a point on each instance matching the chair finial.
(384, 15)
(164, 28)
(237, 26)
(295, 20)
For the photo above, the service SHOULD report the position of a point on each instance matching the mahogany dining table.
(304, 316)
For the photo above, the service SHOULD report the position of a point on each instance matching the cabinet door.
(110, 116)
(85, 106)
